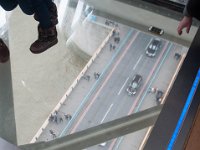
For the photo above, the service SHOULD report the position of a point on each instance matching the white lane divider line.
(107, 113)
(137, 62)
(122, 86)
(149, 43)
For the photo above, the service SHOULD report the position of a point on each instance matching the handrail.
(100, 133)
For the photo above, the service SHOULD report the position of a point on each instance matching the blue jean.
(30, 7)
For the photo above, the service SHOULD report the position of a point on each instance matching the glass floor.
(102, 69)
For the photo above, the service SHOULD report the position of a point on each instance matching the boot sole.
(46, 48)
(4, 60)
(5, 57)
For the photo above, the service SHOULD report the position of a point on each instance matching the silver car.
(134, 85)
(153, 47)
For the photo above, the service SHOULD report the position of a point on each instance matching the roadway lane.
(113, 102)
(109, 100)
(107, 89)
(105, 96)
(109, 103)
(78, 98)
(163, 76)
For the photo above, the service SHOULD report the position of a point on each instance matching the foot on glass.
(46, 39)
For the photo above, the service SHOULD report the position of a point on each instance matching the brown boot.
(4, 52)
(53, 15)
(46, 39)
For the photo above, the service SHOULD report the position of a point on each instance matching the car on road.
(134, 85)
(153, 47)
(159, 96)
(156, 30)
(102, 144)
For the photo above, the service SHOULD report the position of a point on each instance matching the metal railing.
(100, 133)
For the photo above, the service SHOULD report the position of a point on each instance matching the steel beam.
(101, 133)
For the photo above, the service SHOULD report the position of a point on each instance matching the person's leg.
(8, 5)
(52, 10)
(47, 33)
(46, 28)
(49, 3)
(26, 6)
(42, 12)
(38, 7)
(47, 8)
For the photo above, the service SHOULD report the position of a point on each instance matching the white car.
(102, 144)
(153, 47)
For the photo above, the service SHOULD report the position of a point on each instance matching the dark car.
(156, 30)
(134, 85)
(159, 96)
(153, 47)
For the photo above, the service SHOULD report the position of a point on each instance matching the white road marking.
(148, 44)
(24, 84)
(107, 113)
(137, 62)
(123, 86)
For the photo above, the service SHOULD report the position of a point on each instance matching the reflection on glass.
(123, 60)
(2, 17)
(101, 70)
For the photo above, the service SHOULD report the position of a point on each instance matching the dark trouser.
(29, 7)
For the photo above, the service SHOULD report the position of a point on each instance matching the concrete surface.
(39, 81)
